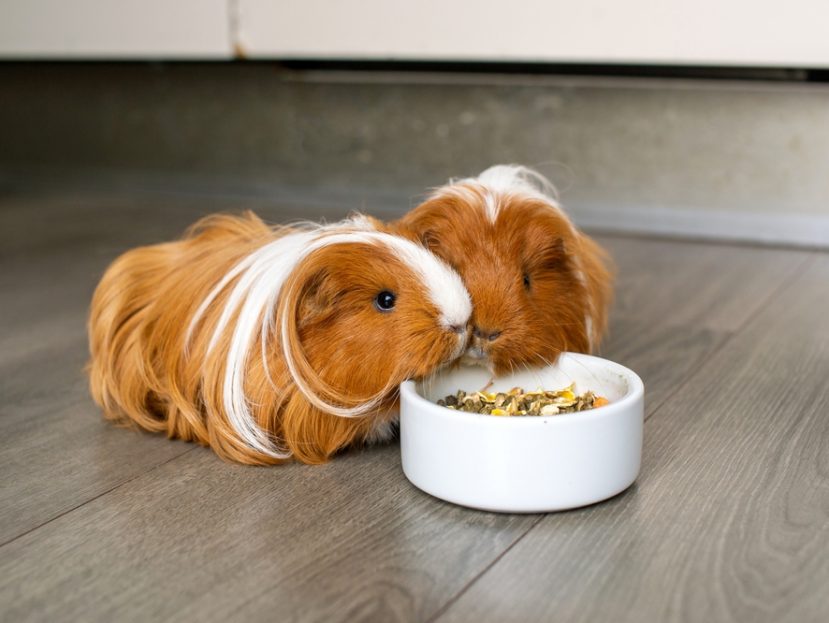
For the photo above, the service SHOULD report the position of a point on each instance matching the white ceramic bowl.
(524, 464)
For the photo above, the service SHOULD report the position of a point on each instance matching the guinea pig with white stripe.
(539, 286)
(272, 343)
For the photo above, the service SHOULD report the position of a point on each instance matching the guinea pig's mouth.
(475, 356)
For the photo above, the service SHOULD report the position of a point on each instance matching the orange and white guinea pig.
(538, 285)
(272, 343)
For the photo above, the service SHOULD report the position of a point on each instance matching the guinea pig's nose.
(485, 334)
(457, 328)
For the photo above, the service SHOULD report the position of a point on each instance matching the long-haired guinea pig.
(272, 343)
(538, 285)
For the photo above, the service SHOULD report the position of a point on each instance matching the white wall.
(693, 32)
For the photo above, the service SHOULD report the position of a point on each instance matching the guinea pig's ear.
(423, 222)
(552, 254)
(558, 247)
(317, 298)
(429, 239)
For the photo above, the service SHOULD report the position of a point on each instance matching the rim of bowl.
(636, 389)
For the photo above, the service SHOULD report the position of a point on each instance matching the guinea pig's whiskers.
(531, 371)
(588, 371)
(548, 363)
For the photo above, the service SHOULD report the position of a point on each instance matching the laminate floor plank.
(729, 520)
(674, 307)
(198, 539)
(56, 451)
(702, 285)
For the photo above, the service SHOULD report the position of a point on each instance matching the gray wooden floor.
(728, 521)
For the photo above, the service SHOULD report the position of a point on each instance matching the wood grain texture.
(677, 302)
(56, 451)
(663, 354)
(107, 524)
(729, 520)
(696, 285)
(198, 539)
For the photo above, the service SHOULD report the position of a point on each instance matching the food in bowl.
(517, 402)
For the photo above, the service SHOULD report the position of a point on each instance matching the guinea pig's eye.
(385, 301)
(526, 281)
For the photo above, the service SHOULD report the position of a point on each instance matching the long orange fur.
(144, 372)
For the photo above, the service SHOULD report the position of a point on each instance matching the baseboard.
(811, 231)
(722, 160)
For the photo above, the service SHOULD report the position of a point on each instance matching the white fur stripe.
(254, 297)
(508, 179)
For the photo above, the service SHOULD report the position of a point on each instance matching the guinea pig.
(269, 344)
(539, 286)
